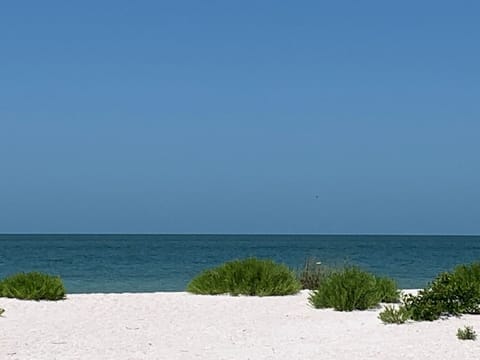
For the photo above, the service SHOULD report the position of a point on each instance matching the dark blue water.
(143, 263)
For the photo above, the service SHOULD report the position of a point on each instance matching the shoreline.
(180, 325)
(405, 291)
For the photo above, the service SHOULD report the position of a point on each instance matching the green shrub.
(388, 290)
(246, 277)
(349, 289)
(32, 286)
(451, 293)
(467, 333)
(2, 311)
(423, 307)
(392, 315)
(312, 274)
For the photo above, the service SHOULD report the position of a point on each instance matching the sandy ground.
(183, 326)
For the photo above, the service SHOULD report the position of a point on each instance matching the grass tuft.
(246, 277)
(351, 289)
(392, 315)
(32, 286)
(467, 333)
(388, 290)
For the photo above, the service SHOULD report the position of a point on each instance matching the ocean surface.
(148, 263)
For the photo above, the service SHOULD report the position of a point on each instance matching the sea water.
(147, 263)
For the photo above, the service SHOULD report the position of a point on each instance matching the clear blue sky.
(240, 117)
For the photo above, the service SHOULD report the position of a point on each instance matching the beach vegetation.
(388, 289)
(394, 315)
(450, 294)
(312, 273)
(467, 333)
(32, 286)
(351, 288)
(250, 276)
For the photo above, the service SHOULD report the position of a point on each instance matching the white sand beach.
(185, 326)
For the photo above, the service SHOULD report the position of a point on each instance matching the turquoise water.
(144, 263)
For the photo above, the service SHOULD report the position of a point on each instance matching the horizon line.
(238, 234)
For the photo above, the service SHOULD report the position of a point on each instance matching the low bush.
(2, 311)
(451, 293)
(32, 286)
(467, 333)
(312, 274)
(388, 290)
(350, 289)
(393, 315)
(246, 277)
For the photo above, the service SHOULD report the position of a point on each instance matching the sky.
(318, 117)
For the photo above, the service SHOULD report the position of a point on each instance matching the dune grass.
(388, 289)
(250, 276)
(392, 315)
(32, 286)
(353, 289)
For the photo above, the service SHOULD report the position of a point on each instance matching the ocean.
(148, 263)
